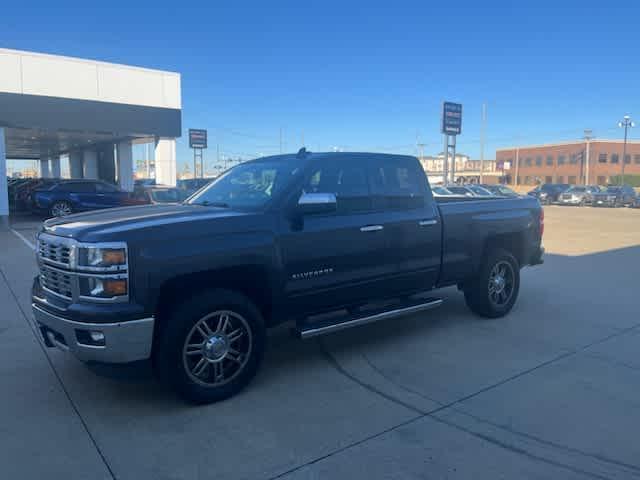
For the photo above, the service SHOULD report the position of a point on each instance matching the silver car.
(579, 195)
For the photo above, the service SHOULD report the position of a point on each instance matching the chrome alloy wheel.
(501, 283)
(61, 209)
(217, 348)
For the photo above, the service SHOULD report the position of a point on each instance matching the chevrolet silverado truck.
(325, 240)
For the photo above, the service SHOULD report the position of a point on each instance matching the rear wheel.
(211, 346)
(494, 290)
(61, 209)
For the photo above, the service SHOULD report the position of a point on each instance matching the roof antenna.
(302, 153)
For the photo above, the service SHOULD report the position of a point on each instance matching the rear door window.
(397, 184)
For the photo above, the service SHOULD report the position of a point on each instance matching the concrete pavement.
(551, 391)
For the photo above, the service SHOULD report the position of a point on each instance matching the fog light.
(97, 336)
(114, 287)
(92, 338)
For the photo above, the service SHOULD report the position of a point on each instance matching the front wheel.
(494, 289)
(211, 346)
(61, 209)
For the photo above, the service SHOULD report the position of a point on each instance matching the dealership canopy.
(89, 110)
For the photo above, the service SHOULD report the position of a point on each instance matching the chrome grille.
(57, 281)
(56, 253)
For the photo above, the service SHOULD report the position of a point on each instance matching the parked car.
(193, 287)
(469, 190)
(70, 196)
(159, 194)
(192, 185)
(549, 193)
(615, 196)
(636, 202)
(440, 191)
(500, 190)
(579, 195)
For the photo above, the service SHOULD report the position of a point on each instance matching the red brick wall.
(567, 172)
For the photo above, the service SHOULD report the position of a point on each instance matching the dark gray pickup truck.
(193, 287)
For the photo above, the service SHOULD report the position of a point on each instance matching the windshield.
(247, 186)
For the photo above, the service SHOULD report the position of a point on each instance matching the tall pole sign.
(198, 142)
(451, 127)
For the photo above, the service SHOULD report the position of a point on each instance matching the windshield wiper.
(207, 203)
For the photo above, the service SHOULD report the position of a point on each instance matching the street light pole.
(626, 122)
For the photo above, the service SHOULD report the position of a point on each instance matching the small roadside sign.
(451, 118)
(197, 138)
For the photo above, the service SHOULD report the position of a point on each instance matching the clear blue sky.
(366, 75)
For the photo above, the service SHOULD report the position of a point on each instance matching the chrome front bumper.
(124, 342)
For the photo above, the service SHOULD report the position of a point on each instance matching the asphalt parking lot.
(551, 391)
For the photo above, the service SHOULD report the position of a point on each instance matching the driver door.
(337, 258)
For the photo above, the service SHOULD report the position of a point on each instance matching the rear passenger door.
(332, 259)
(400, 190)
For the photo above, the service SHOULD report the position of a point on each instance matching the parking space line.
(65, 391)
(28, 243)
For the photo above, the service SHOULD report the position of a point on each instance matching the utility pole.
(482, 137)
(445, 164)
(515, 180)
(625, 123)
(588, 135)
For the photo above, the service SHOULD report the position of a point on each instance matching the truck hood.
(119, 223)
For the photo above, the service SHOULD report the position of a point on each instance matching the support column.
(55, 167)
(45, 171)
(90, 164)
(75, 164)
(165, 160)
(4, 190)
(125, 166)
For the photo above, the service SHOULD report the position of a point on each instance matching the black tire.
(177, 365)
(480, 297)
(61, 208)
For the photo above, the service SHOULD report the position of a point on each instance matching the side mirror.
(310, 203)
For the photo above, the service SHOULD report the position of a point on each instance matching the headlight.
(103, 287)
(103, 257)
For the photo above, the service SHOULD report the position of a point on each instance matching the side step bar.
(330, 326)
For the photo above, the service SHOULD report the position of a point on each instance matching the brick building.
(570, 162)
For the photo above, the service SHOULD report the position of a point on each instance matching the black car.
(615, 196)
(549, 193)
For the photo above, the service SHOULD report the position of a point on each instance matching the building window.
(539, 161)
(602, 158)
(573, 159)
(561, 161)
(527, 161)
(627, 159)
(615, 158)
(602, 180)
(636, 159)
(548, 179)
(549, 161)
(572, 180)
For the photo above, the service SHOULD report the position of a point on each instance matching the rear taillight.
(541, 222)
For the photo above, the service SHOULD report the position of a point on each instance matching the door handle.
(427, 223)
(371, 228)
